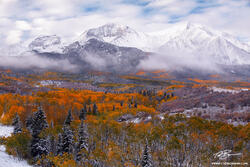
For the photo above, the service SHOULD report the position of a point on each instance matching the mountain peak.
(47, 43)
(108, 30)
(116, 34)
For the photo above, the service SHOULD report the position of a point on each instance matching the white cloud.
(69, 18)
(13, 37)
(23, 25)
(173, 7)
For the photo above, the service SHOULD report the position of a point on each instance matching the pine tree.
(69, 118)
(95, 111)
(17, 124)
(121, 103)
(82, 141)
(146, 159)
(89, 110)
(135, 105)
(38, 122)
(83, 112)
(67, 139)
(59, 145)
(50, 144)
(83, 137)
(39, 147)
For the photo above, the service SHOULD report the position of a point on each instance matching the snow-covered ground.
(5, 159)
(216, 89)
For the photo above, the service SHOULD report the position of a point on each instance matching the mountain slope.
(199, 42)
(47, 44)
(99, 55)
(122, 36)
(195, 40)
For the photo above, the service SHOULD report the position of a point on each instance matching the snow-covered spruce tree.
(67, 139)
(95, 111)
(69, 118)
(83, 113)
(38, 122)
(38, 146)
(83, 139)
(59, 145)
(17, 124)
(146, 159)
(50, 144)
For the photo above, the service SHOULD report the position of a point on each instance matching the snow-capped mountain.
(47, 44)
(119, 47)
(200, 42)
(186, 38)
(122, 36)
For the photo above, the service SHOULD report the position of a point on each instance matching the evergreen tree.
(39, 147)
(67, 139)
(146, 159)
(83, 137)
(17, 124)
(38, 122)
(82, 115)
(121, 103)
(89, 111)
(50, 144)
(95, 111)
(82, 141)
(135, 105)
(69, 118)
(59, 145)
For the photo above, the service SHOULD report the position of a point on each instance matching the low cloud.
(32, 61)
(179, 61)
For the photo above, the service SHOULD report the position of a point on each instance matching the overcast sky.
(22, 20)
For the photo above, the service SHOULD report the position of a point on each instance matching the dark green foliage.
(83, 138)
(146, 159)
(67, 139)
(95, 111)
(89, 110)
(38, 145)
(59, 145)
(38, 122)
(83, 113)
(69, 118)
(17, 124)
(121, 103)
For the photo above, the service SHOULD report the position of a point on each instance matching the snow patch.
(216, 89)
(5, 159)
